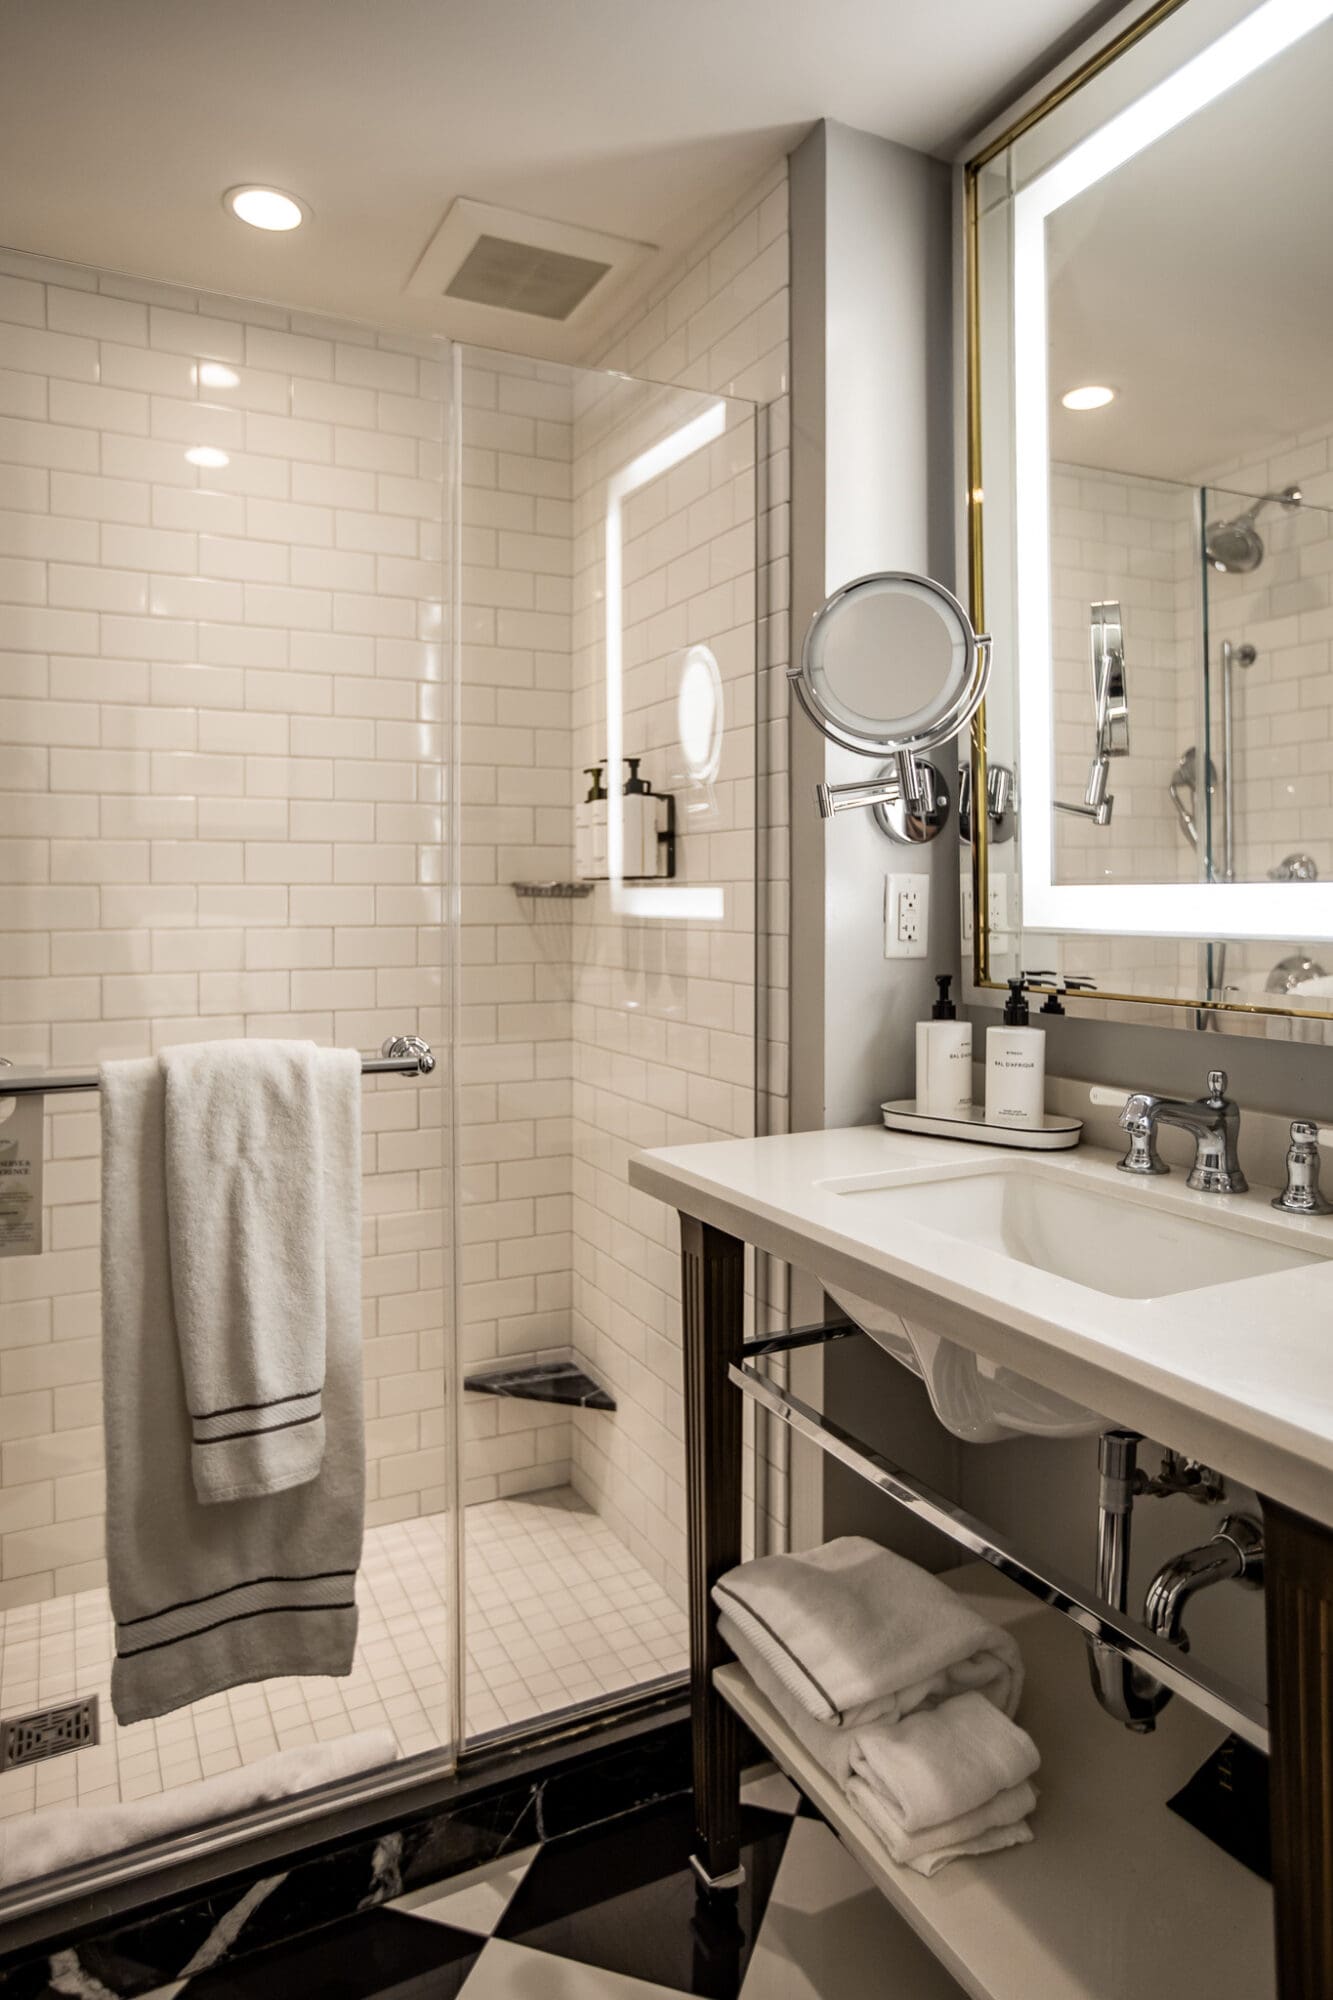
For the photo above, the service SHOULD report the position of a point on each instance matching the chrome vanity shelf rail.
(1217, 1697)
(402, 1055)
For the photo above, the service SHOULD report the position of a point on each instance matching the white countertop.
(1239, 1375)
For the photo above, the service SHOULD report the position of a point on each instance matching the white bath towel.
(1000, 1823)
(830, 1746)
(246, 1225)
(39, 1843)
(858, 1634)
(205, 1597)
(942, 1763)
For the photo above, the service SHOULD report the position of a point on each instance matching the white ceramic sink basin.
(1130, 1247)
(1142, 1243)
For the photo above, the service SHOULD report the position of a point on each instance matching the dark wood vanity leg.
(713, 1302)
(1299, 1609)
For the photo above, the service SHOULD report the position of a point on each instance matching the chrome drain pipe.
(1125, 1691)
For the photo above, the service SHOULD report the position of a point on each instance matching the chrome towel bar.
(402, 1055)
(1233, 1707)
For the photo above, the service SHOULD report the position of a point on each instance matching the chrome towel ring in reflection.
(891, 668)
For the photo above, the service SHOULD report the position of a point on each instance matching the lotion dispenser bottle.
(1016, 1066)
(944, 1058)
(586, 825)
(637, 817)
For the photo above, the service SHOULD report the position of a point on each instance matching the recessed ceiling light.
(1094, 397)
(216, 375)
(207, 455)
(265, 207)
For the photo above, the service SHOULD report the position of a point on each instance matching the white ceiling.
(122, 122)
(1197, 281)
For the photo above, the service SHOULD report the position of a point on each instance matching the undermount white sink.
(1136, 1244)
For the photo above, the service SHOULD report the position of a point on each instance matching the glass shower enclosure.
(309, 636)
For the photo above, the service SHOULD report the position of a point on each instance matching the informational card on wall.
(21, 1178)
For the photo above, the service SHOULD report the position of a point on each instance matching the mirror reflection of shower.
(1231, 547)
(1236, 547)
(1185, 780)
(1110, 712)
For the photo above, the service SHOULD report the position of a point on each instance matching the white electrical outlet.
(999, 902)
(906, 916)
(967, 909)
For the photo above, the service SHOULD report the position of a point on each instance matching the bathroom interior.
(512, 528)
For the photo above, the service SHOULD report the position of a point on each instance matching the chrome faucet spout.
(1213, 1122)
(1235, 1554)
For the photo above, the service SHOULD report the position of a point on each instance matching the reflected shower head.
(1185, 778)
(1236, 547)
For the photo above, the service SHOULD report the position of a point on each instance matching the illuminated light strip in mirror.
(1158, 909)
(666, 899)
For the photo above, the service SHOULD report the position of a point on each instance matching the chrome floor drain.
(47, 1732)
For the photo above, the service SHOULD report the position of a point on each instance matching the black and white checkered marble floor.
(611, 1914)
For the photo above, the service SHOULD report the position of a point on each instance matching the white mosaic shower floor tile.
(558, 1611)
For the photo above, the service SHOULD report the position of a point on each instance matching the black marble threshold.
(518, 1792)
(543, 1382)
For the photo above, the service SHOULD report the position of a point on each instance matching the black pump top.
(595, 791)
(1016, 1011)
(634, 784)
(944, 1009)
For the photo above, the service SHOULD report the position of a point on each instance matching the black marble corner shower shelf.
(543, 1382)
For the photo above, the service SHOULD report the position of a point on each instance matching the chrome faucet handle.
(1139, 1119)
(1217, 1087)
(1303, 1195)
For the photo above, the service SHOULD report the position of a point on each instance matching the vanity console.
(1092, 1909)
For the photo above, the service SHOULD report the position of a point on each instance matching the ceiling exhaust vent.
(522, 278)
(507, 262)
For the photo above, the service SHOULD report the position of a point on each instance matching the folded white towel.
(205, 1597)
(858, 1634)
(1002, 1822)
(245, 1212)
(39, 1843)
(830, 1746)
(995, 1824)
(943, 1762)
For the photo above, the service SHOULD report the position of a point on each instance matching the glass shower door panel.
(224, 742)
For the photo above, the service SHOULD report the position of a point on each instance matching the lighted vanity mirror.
(892, 669)
(1152, 465)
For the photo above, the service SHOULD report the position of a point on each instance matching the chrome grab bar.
(401, 1055)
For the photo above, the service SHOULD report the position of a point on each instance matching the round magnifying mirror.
(888, 661)
(891, 667)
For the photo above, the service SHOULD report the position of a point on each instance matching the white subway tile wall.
(517, 823)
(221, 760)
(664, 1029)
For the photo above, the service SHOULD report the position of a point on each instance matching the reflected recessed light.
(216, 375)
(1094, 397)
(265, 208)
(207, 454)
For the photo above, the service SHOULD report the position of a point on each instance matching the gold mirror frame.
(973, 168)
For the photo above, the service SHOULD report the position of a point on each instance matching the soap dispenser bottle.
(640, 829)
(586, 825)
(944, 1058)
(1016, 1066)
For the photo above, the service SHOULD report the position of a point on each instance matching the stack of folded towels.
(901, 1691)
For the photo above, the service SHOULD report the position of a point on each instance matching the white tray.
(1053, 1135)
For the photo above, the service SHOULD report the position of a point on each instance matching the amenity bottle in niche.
(589, 820)
(943, 1058)
(639, 823)
(1016, 1066)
